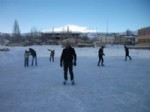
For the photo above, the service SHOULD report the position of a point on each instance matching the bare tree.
(16, 32)
(1, 39)
(35, 35)
(34, 32)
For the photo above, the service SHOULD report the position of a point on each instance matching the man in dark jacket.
(127, 53)
(52, 53)
(100, 55)
(67, 60)
(34, 56)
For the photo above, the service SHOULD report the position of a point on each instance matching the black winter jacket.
(33, 52)
(126, 50)
(100, 52)
(68, 55)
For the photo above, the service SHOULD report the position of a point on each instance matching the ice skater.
(127, 53)
(67, 60)
(100, 55)
(26, 58)
(52, 54)
(34, 56)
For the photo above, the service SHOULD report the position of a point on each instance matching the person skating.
(67, 60)
(26, 58)
(52, 53)
(100, 55)
(34, 56)
(127, 53)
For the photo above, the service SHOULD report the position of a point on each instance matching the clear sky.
(93, 14)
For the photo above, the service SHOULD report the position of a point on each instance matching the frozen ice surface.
(120, 86)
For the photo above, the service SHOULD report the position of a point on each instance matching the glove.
(60, 64)
(75, 63)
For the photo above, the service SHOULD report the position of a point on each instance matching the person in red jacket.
(67, 60)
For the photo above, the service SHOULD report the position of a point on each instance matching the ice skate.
(72, 82)
(64, 82)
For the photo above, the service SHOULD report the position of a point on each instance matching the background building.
(144, 37)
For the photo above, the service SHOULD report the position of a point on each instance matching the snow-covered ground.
(120, 86)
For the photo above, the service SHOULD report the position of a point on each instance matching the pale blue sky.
(93, 14)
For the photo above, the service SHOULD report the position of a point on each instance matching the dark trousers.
(127, 55)
(26, 62)
(34, 58)
(70, 67)
(101, 60)
(52, 58)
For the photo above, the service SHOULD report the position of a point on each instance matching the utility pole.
(106, 30)
(53, 34)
